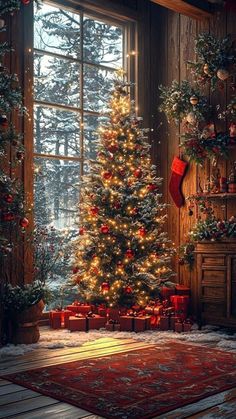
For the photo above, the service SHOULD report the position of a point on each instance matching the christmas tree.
(122, 254)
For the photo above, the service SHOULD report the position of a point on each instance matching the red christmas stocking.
(178, 169)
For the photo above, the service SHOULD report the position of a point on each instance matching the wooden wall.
(172, 44)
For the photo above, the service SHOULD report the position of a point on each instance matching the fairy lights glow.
(123, 255)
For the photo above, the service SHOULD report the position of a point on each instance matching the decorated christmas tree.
(122, 255)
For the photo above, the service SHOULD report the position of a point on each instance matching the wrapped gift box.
(65, 317)
(180, 302)
(154, 322)
(179, 326)
(141, 323)
(127, 323)
(164, 322)
(173, 319)
(113, 314)
(187, 326)
(77, 324)
(96, 322)
(182, 290)
(154, 309)
(166, 292)
(55, 319)
(79, 308)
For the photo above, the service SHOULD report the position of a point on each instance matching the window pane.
(98, 84)
(90, 136)
(102, 42)
(56, 192)
(57, 30)
(56, 131)
(53, 84)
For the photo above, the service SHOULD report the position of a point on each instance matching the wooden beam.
(197, 9)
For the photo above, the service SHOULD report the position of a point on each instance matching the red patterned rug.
(138, 384)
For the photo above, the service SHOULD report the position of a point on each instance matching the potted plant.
(23, 306)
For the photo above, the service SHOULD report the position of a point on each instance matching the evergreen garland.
(216, 60)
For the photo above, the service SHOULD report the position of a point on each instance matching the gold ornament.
(206, 69)
(191, 118)
(193, 100)
(222, 74)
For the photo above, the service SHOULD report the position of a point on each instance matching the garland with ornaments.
(183, 103)
(216, 61)
(12, 212)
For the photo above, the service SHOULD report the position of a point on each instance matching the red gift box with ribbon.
(182, 290)
(79, 308)
(127, 323)
(55, 319)
(141, 323)
(113, 313)
(187, 325)
(164, 322)
(65, 314)
(167, 292)
(173, 319)
(96, 322)
(78, 324)
(179, 326)
(180, 302)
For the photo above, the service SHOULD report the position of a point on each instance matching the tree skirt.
(138, 384)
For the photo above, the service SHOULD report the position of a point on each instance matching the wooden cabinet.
(216, 282)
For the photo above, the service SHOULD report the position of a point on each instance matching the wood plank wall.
(172, 44)
(165, 41)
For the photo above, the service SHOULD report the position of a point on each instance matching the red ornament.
(25, 2)
(117, 205)
(128, 290)
(138, 173)
(122, 172)
(8, 198)
(134, 211)
(104, 229)
(105, 287)
(142, 232)
(107, 175)
(94, 211)
(75, 270)
(129, 253)
(8, 216)
(24, 222)
(113, 148)
(151, 187)
(81, 231)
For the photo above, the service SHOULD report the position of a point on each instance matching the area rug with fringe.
(136, 384)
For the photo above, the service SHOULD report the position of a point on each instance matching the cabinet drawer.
(213, 277)
(213, 261)
(215, 310)
(214, 293)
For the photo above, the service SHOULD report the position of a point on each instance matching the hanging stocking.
(178, 169)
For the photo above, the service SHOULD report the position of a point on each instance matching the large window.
(75, 57)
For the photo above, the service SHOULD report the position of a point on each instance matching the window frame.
(94, 9)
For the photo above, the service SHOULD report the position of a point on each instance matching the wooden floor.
(19, 402)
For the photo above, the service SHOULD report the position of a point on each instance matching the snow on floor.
(209, 335)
